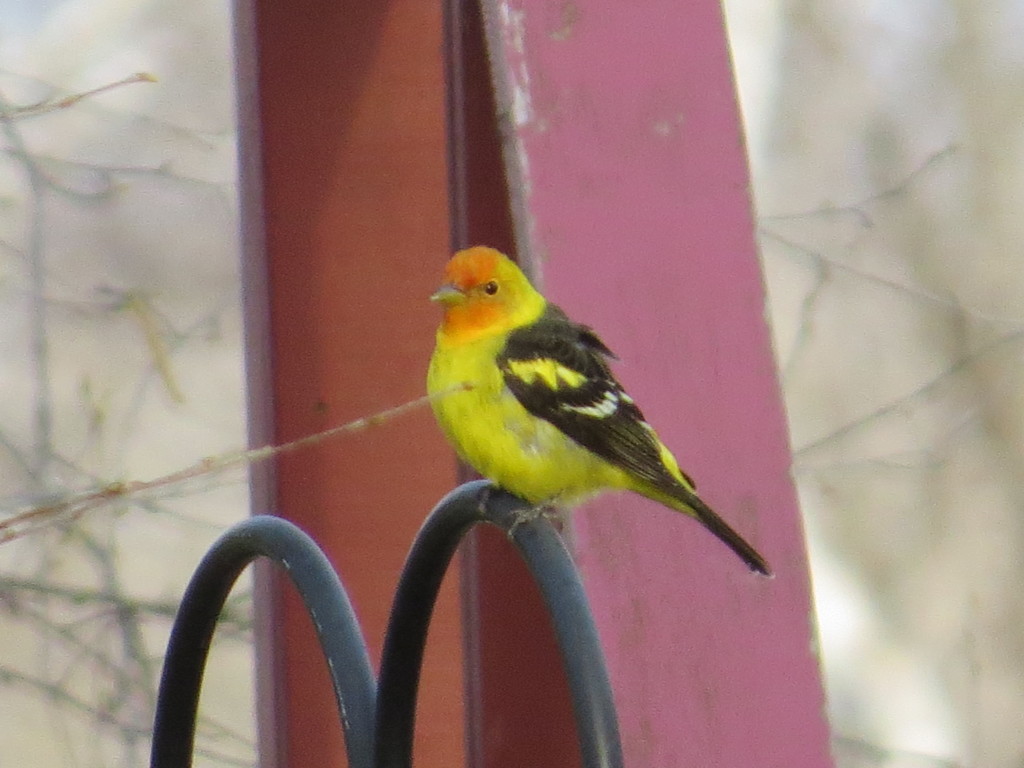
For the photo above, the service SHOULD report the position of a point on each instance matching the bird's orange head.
(484, 293)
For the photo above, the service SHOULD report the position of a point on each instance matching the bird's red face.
(472, 268)
(476, 293)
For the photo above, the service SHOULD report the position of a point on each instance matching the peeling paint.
(514, 26)
(507, 22)
(522, 109)
(668, 126)
(569, 15)
(513, 30)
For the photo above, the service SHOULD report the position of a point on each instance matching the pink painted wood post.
(624, 139)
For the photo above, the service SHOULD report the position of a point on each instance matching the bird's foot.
(483, 500)
(553, 514)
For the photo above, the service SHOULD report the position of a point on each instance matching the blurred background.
(885, 143)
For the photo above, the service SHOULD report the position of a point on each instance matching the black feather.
(617, 432)
(621, 437)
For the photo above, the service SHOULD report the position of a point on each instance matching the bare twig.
(65, 102)
(31, 519)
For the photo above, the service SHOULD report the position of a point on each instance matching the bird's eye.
(491, 288)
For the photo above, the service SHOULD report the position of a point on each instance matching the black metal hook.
(378, 725)
(328, 606)
(551, 565)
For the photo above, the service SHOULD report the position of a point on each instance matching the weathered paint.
(624, 141)
(517, 702)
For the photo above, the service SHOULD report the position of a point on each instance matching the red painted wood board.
(624, 140)
(345, 225)
(518, 706)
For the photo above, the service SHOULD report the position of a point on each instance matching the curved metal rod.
(328, 606)
(559, 583)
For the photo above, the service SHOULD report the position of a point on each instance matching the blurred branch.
(58, 694)
(857, 209)
(89, 660)
(917, 291)
(38, 341)
(142, 309)
(875, 754)
(72, 507)
(10, 587)
(959, 366)
(8, 112)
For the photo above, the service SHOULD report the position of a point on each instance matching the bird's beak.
(448, 295)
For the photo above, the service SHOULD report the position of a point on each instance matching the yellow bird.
(532, 405)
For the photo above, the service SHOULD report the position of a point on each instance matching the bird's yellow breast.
(499, 438)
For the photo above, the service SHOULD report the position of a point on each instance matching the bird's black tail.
(710, 520)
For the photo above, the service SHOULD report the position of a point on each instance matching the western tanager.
(532, 405)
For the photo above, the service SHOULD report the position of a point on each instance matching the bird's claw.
(483, 500)
(525, 515)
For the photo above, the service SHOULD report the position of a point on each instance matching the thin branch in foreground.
(70, 508)
(66, 102)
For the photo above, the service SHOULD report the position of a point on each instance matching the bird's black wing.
(558, 371)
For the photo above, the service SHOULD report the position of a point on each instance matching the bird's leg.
(550, 512)
(484, 500)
